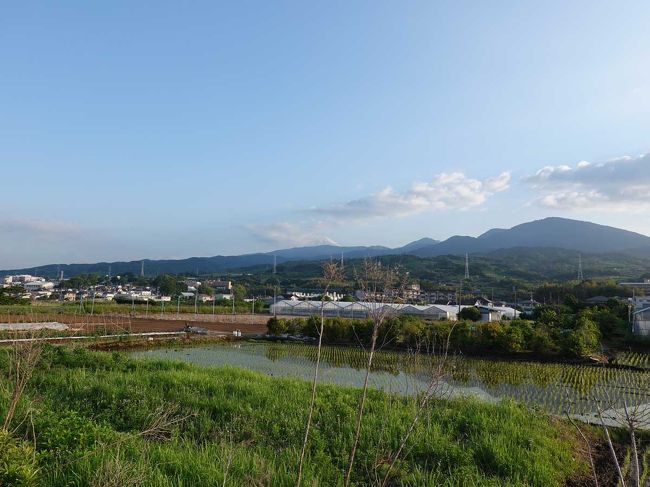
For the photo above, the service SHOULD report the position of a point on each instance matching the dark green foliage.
(584, 338)
(277, 326)
(169, 285)
(11, 296)
(470, 313)
(556, 331)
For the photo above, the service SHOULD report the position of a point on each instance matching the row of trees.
(507, 336)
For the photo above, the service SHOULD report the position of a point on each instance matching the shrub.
(276, 326)
(17, 462)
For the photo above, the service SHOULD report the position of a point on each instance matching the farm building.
(361, 309)
(497, 313)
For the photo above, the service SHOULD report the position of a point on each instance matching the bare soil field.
(141, 323)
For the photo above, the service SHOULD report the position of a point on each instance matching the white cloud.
(618, 185)
(26, 242)
(38, 229)
(290, 234)
(447, 191)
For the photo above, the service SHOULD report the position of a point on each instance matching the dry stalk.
(331, 274)
(432, 387)
(377, 283)
(23, 358)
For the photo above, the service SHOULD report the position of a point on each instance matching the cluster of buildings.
(364, 309)
(34, 287)
(444, 304)
(640, 314)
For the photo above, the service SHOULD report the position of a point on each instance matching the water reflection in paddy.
(554, 387)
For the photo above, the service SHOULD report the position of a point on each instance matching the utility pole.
(581, 276)
(232, 295)
(178, 305)
(275, 293)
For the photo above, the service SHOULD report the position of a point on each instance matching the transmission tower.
(466, 266)
(581, 276)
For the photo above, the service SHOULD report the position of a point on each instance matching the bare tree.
(379, 287)
(331, 273)
(23, 358)
(629, 418)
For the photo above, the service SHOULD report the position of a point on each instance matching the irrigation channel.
(559, 389)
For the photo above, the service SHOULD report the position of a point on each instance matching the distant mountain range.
(557, 233)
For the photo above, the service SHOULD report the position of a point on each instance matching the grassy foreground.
(93, 422)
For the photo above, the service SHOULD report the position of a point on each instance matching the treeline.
(554, 331)
(11, 295)
(580, 290)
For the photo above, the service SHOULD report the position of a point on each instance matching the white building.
(33, 286)
(497, 313)
(299, 295)
(361, 309)
(21, 279)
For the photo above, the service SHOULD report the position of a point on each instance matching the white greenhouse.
(361, 309)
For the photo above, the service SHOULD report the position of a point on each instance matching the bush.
(584, 339)
(276, 326)
(17, 462)
(470, 313)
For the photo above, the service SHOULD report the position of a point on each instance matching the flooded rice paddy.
(551, 387)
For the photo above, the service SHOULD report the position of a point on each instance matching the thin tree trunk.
(433, 381)
(636, 473)
(312, 404)
(362, 403)
(611, 449)
(331, 273)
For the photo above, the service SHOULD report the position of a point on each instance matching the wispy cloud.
(290, 234)
(39, 229)
(618, 185)
(447, 191)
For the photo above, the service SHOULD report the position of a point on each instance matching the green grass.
(92, 407)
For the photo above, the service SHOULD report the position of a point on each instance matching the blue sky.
(168, 130)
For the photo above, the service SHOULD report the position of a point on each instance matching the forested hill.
(524, 268)
(550, 234)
